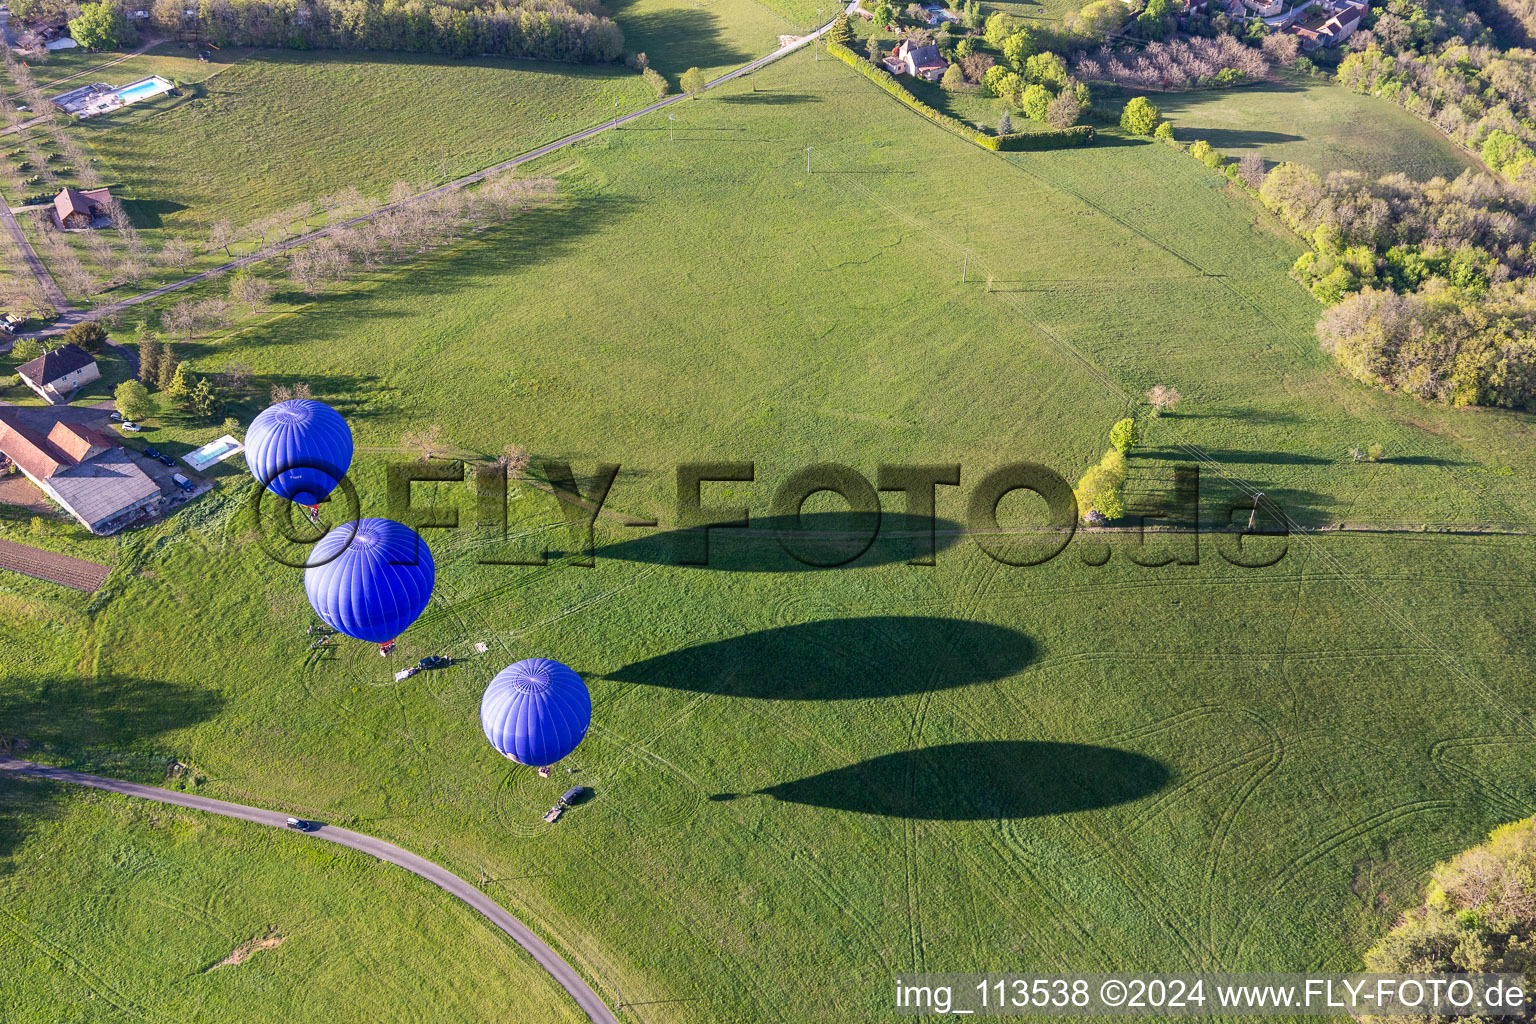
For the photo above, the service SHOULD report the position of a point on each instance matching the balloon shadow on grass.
(841, 659)
(815, 540)
(984, 781)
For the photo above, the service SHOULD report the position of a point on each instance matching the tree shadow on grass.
(1237, 457)
(841, 659)
(982, 781)
(480, 259)
(676, 40)
(97, 725)
(1228, 139)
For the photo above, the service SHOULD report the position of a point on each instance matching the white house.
(54, 375)
(917, 61)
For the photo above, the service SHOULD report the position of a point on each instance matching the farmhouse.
(918, 61)
(76, 209)
(87, 473)
(53, 375)
(1331, 28)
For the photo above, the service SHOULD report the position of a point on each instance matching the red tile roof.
(29, 450)
(76, 440)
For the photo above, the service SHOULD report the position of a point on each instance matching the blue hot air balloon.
(369, 579)
(536, 711)
(299, 449)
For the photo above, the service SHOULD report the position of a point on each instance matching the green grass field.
(68, 69)
(120, 909)
(810, 780)
(1313, 121)
(256, 142)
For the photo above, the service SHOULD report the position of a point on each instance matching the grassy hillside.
(120, 909)
(808, 780)
(1314, 121)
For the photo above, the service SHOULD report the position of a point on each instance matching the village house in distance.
(77, 209)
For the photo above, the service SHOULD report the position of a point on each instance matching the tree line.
(1431, 283)
(557, 30)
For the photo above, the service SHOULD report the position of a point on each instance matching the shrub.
(1124, 435)
(953, 80)
(1375, 453)
(656, 80)
(1102, 488)
(1140, 116)
(1164, 133)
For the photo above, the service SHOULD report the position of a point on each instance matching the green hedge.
(1081, 135)
(1057, 138)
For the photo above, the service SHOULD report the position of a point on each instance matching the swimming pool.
(143, 89)
(216, 450)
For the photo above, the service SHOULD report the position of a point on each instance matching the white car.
(130, 426)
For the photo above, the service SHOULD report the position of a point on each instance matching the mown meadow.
(808, 780)
(116, 909)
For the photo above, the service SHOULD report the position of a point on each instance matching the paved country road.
(445, 880)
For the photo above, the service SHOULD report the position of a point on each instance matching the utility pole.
(816, 39)
(1252, 515)
(965, 268)
(807, 159)
(671, 127)
(615, 114)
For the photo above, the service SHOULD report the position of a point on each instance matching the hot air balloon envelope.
(372, 583)
(299, 449)
(536, 711)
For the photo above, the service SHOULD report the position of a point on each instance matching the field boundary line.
(552, 963)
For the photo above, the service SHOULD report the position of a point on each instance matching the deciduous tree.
(1124, 435)
(133, 401)
(1140, 116)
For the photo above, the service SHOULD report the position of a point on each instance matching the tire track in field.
(1513, 805)
(1368, 596)
(71, 964)
(1138, 886)
(988, 570)
(1328, 844)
